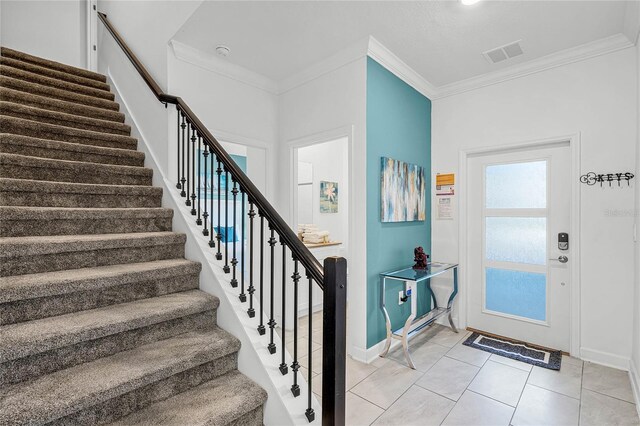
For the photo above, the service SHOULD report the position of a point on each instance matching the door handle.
(561, 259)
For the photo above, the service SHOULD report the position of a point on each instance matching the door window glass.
(516, 185)
(517, 239)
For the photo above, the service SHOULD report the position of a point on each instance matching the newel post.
(334, 341)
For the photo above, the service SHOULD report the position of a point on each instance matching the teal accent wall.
(399, 127)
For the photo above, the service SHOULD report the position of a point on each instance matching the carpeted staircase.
(101, 319)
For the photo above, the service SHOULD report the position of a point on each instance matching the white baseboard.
(635, 384)
(369, 355)
(605, 358)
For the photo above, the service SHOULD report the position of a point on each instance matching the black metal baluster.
(211, 186)
(295, 388)
(183, 179)
(205, 214)
(272, 322)
(243, 296)
(218, 233)
(178, 185)
(311, 415)
(226, 268)
(234, 259)
(188, 200)
(261, 328)
(193, 171)
(252, 214)
(283, 364)
(199, 219)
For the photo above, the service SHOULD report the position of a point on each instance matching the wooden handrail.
(298, 249)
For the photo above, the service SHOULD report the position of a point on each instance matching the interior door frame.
(316, 139)
(91, 17)
(463, 225)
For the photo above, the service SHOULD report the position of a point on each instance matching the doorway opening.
(321, 202)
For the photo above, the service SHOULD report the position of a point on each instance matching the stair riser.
(63, 95)
(54, 83)
(16, 197)
(70, 153)
(76, 226)
(71, 174)
(252, 418)
(89, 139)
(48, 72)
(105, 127)
(58, 359)
(124, 405)
(29, 99)
(43, 307)
(20, 265)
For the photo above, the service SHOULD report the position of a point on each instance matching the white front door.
(518, 272)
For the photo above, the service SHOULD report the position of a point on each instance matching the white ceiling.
(441, 40)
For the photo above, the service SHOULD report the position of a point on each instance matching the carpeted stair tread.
(69, 69)
(218, 402)
(35, 168)
(63, 119)
(32, 286)
(52, 73)
(68, 391)
(29, 255)
(34, 246)
(33, 337)
(36, 129)
(25, 221)
(36, 296)
(22, 192)
(51, 104)
(46, 148)
(54, 82)
(52, 92)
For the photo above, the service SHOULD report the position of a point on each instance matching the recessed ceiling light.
(469, 2)
(223, 50)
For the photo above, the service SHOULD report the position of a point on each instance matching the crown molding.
(224, 68)
(397, 66)
(631, 27)
(564, 57)
(345, 56)
(371, 47)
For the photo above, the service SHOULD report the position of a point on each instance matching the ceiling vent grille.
(503, 53)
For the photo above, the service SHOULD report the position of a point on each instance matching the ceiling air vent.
(503, 53)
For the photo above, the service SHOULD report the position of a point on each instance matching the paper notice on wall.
(445, 184)
(444, 208)
(445, 192)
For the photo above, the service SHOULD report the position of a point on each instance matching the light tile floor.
(457, 385)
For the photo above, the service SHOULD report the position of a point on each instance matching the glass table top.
(435, 268)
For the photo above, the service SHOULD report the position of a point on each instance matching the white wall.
(147, 27)
(55, 30)
(330, 162)
(328, 107)
(233, 111)
(635, 359)
(596, 98)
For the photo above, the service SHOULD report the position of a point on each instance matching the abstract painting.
(403, 191)
(328, 197)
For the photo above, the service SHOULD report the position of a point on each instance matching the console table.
(412, 326)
